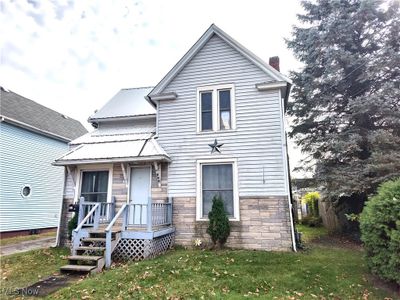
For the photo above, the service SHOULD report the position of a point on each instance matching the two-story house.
(214, 125)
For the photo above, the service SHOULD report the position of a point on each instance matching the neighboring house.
(146, 177)
(31, 189)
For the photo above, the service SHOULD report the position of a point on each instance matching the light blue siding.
(25, 158)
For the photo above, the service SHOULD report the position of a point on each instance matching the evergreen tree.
(346, 107)
(218, 227)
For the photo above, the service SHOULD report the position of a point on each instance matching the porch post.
(81, 212)
(96, 218)
(108, 249)
(170, 210)
(149, 214)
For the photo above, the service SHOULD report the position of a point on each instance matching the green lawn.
(310, 234)
(321, 272)
(23, 269)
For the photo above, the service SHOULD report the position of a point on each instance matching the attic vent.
(64, 116)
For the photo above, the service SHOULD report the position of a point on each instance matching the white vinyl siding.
(256, 143)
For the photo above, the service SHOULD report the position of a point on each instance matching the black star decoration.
(215, 146)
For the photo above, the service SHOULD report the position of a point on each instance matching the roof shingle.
(22, 110)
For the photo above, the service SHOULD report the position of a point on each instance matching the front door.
(139, 195)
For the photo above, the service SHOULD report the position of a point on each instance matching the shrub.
(218, 227)
(311, 199)
(72, 224)
(380, 231)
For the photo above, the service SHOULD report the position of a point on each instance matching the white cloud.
(72, 56)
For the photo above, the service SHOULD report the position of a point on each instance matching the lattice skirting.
(138, 249)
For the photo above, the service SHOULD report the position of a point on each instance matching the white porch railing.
(137, 215)
(91, 215)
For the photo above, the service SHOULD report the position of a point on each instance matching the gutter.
(121, 118)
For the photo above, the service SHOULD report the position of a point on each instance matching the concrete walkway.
(27, 245)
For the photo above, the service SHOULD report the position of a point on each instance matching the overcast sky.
(73, 56)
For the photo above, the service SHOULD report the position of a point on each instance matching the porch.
(135, 232)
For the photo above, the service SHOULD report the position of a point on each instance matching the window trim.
(89, 168)
(199, 192)
(215, 107)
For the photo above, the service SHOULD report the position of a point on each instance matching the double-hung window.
(217, 178)
(216, 108)
(94, 186)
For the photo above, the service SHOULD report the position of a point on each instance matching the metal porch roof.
(116, 151)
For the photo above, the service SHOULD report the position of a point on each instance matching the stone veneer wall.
(264, 224)
(68, 198)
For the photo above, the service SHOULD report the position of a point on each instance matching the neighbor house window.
(217, 179)
(216, 108)
(94, 186)
(26, 191)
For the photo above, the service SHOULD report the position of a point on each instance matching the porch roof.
(146, 149)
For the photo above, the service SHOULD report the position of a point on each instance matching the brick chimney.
(274, 62)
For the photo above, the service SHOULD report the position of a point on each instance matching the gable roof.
(126, 103)
(23, 112)
(213, 29)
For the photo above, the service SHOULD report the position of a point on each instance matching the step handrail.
(110, 226)
(90, 213)
(108, 251)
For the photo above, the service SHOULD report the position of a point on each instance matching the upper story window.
(206, 111)
(216, 108)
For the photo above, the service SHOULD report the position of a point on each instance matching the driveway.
(27, 245)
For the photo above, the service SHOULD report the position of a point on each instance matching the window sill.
(206, 220)
(215, 131)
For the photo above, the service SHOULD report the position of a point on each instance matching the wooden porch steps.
(90, 239)
(84, 257)
(90, 248)
(78, 268)
(89, 257)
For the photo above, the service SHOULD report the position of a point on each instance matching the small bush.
(218, 227)
(311, 221)
(72, 224)
(380, 231)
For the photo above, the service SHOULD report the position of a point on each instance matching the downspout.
(286, 169)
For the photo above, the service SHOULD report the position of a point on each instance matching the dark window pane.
(206, 121)
(217, 180)
(217, 177)
(206, 111)
(226, 196)
(225, 100)
(94, 186)
(87, 182)
(102, 182)
(206, 101)
(207, 201)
